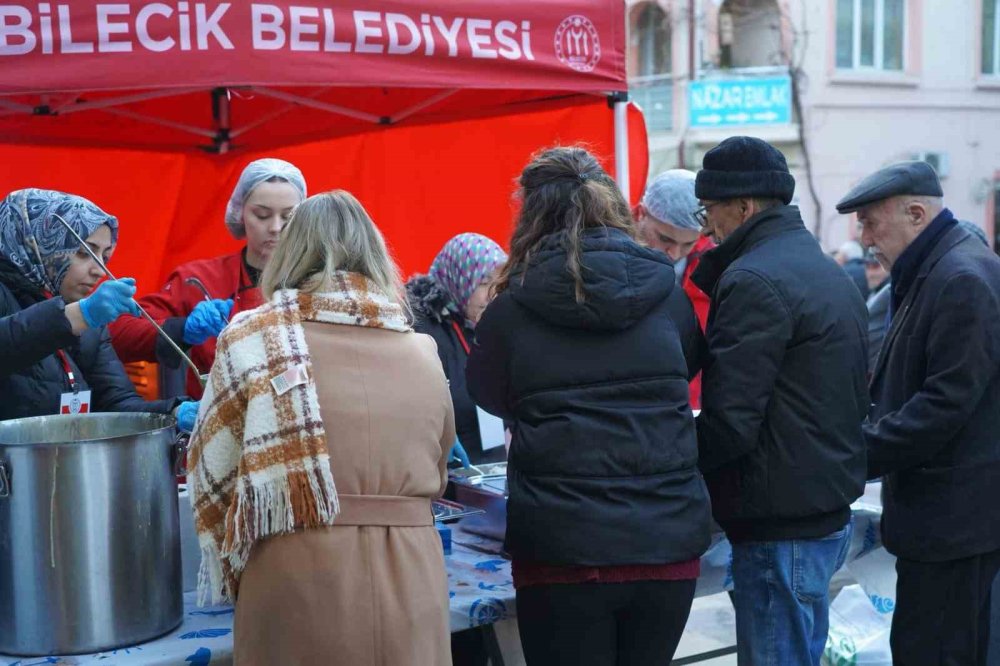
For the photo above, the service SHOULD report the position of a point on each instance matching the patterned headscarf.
(464, 263)
(36, 244)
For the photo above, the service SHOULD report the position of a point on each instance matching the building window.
(750, 34)
(991, 37)
(650, 81)
(650, 43)
(870, 34)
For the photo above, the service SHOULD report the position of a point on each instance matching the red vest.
(225, 277)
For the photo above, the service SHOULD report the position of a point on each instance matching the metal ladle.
(93, 255)
(200, 286)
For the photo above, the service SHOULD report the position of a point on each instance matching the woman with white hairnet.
(201, 296)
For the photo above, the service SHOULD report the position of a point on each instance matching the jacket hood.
(622, 281)
(427, 298)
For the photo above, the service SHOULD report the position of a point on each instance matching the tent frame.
(223, 134)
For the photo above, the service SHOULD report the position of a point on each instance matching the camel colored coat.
(371, 589)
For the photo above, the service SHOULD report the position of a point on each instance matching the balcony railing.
(655, 94)
(763, 71)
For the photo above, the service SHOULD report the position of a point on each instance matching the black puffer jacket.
(427, 300)
(784, 390)
(603, 462)
(32, 378)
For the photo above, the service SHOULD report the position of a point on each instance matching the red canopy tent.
(426, 110)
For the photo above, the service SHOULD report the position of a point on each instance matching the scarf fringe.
(301, 499)
(212, 589)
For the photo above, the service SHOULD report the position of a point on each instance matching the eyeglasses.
(701, 215)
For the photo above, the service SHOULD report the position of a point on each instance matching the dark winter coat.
(427, 300)
(32, 378)
(603, 462)
(784, 390)
(936, 403)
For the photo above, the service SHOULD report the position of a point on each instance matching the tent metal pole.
(160, 121)
(620, 105)
(16, 107)
(72, 106)
(268, 117)
(322, 106)
(430, 101)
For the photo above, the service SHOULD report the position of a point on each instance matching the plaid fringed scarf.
(258, 463)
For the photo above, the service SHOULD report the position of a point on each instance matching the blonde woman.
(321, 441)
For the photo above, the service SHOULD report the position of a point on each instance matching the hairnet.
(670, 198)
(255, 173)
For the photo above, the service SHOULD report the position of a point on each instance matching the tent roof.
(260, 74)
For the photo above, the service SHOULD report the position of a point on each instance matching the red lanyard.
(67, 368)
(461, 337)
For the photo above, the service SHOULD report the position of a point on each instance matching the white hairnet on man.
(665, 218)
(264, 170)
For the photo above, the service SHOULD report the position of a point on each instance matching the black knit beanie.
(742, 166)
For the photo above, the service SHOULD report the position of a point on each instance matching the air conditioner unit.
(937, 160)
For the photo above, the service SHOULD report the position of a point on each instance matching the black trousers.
(942, 615)
(603, 624)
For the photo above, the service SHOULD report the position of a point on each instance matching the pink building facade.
(862, 82)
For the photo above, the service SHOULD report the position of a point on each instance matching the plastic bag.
(859, 634)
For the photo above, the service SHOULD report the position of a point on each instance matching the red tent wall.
(421, 183)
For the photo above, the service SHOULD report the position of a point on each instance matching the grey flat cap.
(916, 178)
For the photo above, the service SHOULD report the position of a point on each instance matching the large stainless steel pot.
(89, 536)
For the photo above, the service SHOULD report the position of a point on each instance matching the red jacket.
(225, 277)
(701, 303)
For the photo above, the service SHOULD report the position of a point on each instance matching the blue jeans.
(781, 595)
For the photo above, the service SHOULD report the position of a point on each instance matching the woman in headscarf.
(447, 304)
(201, 296)
(55, 352)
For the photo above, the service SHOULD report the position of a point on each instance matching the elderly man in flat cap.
(783, 398)
(666, 221)
(932, 431)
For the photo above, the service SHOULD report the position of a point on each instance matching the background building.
(842, 87)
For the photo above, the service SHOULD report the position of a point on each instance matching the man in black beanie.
(783, 399)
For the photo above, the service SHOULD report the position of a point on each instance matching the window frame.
(996, 38)
(878, 46)
(650, 34)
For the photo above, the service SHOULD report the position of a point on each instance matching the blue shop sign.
(730, 102)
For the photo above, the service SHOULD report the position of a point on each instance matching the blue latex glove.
(458, 453)
(186, 413)
(112, 299)
(207, 320)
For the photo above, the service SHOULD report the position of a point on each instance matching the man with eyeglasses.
(666, 221)
(783, 398)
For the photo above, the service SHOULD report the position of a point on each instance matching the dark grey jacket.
(936, 404)
(784, 390)
(603, 461)
(31, 375)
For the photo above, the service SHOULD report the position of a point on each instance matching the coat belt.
(384, 510)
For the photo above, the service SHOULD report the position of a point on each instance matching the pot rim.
(169, 424)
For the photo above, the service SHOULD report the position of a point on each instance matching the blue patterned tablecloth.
(480, 591)
(480, 588)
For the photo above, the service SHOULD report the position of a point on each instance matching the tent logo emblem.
(577, 44)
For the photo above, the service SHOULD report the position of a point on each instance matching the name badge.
(75, 403)
(296, 375)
